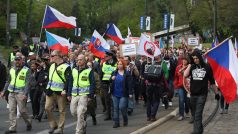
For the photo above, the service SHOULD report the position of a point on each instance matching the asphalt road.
(136, 121)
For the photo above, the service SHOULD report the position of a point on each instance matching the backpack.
(154, 72)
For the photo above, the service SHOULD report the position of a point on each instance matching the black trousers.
(198, 103)
(35, 96)
(222, 101)
(108, 100)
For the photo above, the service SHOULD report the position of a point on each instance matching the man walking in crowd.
(200, 73)
(18, 88)
(156, 86)
(82, 92)
(108, 67)
(60, 80)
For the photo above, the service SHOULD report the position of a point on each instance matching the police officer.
(108, 67)
(18, 86)
(82, 92)
(60, 80)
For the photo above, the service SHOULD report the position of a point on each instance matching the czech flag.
(224, 64)
(56, 42)
(98, 45)
(114, 33)
(55, 19)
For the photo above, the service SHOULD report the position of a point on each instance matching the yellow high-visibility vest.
(107, 70)
(18, 82)
(55, 82)
(81, 83)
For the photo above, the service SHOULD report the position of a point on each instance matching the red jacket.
(178, 77)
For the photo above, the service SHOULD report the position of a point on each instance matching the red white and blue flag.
(114, 33)
(98, 45)
(56, 42)
(54, 19)
(224, 64)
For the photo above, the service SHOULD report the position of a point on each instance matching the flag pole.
(42, 23)
(236, 46)
(218, 45)
(37, 53)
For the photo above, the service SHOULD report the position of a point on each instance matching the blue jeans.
(182, 100)
(120, 103)
(198, 103)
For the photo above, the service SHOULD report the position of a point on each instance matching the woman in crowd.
(178, 84)
(121, 90)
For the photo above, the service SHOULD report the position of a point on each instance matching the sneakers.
(221, 111)
(187, 115)
(180, 118)
(7, 106)
(170, 103)
(163, 105)
(225, 111)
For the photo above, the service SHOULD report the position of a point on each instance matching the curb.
(156, 123)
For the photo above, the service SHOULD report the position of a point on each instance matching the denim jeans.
(198, 103)
(182, 100)
(120, 104)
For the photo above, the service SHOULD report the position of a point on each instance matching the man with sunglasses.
(60, 80)
(18, 87)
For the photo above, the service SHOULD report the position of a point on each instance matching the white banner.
(193, 41)
(127, 49)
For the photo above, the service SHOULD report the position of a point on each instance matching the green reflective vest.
(81, 83)
(107, 70)
(32, 47)
(18, 82)
(12, 57)
(55, 82)
(96, 59)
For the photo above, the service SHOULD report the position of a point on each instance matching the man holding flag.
(200, 73)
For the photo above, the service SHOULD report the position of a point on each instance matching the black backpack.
(154, 72)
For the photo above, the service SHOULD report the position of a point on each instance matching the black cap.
(109, 53)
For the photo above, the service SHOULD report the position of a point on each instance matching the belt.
(153, 84)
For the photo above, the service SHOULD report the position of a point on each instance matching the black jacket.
(127, 84)
(3, 74)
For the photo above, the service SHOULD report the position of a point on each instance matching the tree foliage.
(96, 14)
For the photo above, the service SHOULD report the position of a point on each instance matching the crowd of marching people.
(50, 80)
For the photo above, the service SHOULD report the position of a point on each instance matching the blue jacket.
(127, 83)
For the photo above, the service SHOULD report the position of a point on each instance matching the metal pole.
(8, 24)
(145, 16)
(214, 19)
(168, 27)
(29, 22)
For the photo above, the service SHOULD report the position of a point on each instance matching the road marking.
(68, 125)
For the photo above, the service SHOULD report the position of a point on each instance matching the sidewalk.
(225, 123)
(183, 127)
